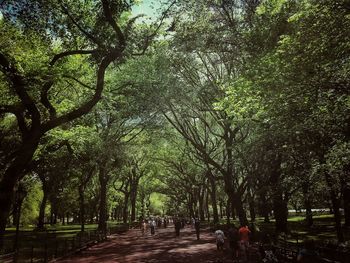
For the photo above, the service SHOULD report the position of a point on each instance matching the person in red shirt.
(244, 233)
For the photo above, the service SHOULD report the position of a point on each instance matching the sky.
(147, 7)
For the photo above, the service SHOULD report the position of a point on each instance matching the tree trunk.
(308, 205)
(207, 206)
(133, 198)
(346, 201)
(280, 211)
(125, 208)
(201, 204)
(238, 204)
(228, 204)
(102, 222)
(190, 205)
(82, 208)
(308, 216)
(264, 206)
(335, 206)
(41, 218)
(11, 176)
(213, 200)
(252, 208)
(280, 208)
(221, 208)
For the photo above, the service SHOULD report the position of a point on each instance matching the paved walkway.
(163, 247)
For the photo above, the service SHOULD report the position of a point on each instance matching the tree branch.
(71, 52)
(86, 33)
(18, 85)
(87, 106)
(109, 17)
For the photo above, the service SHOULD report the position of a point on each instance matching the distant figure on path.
(143, 227)
(233, 240)
(177, 226)
(153, 226)
(220, 240)
(197, 226)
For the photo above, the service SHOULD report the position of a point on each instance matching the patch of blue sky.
(149, 8)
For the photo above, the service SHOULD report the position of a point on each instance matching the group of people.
(180, 223)
(153, 223)
(238, 240)
(239, 244)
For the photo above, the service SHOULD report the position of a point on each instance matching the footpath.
(163, 247)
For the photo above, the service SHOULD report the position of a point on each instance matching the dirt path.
(163, 247)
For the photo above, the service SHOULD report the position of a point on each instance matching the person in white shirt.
(220, 239)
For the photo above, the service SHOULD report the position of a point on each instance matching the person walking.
(220, 239)
(153, 226)
(197, 226)
(177, 226)
(244, 233)
(143, 227)
(233, 240)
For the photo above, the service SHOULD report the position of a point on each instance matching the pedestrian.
(220, 239)
(233, 240)
(193, 220)
(197, 226)
(143, 227)
(177, 226)
(244, 233)
(153, 226)
(165, 222)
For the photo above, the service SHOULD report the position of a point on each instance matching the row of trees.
(236, 107)
(56, 59)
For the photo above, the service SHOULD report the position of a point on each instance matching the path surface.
(163, 247)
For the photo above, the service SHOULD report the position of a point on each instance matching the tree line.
(236, 108)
